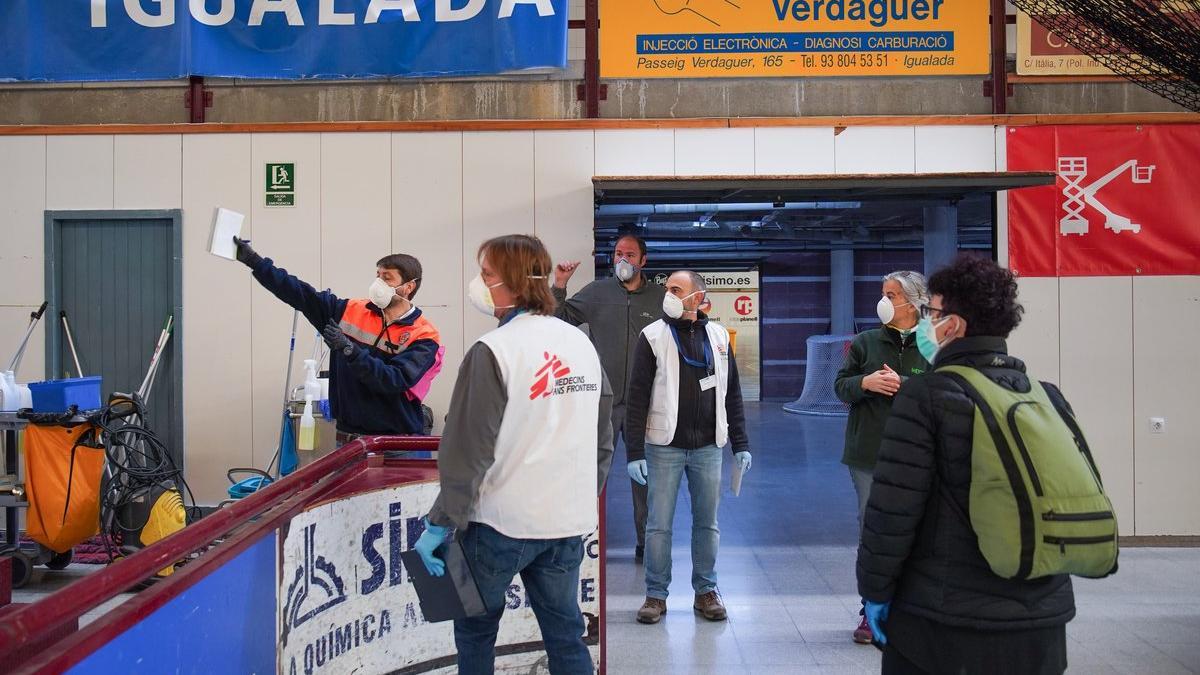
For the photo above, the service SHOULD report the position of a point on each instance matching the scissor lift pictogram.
(1074, 170)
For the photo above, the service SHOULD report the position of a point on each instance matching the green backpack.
(1037, 504)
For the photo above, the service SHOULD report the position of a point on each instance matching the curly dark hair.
(981, 292)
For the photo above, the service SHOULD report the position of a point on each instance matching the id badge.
(708, 382)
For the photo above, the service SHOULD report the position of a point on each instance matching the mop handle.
(287, 382)
(71, 342)
(34, 317)
(148, 382)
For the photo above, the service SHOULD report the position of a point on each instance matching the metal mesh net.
(825, 356)
(1153, 43)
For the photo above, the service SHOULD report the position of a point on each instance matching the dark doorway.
(118, 276)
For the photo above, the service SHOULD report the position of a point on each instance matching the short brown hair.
(408, 267)
(523, 264)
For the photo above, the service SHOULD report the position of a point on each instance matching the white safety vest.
(663, 416)
(543, 482)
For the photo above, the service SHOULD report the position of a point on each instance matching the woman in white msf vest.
(526, 450)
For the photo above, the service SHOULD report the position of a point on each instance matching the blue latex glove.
(877, 614)
(638, 471)
(431, 539)
(744, 460)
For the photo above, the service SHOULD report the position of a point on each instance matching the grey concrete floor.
(786, 571)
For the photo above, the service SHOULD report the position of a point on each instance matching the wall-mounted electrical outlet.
(1158, 425)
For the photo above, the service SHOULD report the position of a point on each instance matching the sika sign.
(789, 38)
(1125, 202)
(346, 605)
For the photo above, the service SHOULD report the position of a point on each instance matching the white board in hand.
(226, 225)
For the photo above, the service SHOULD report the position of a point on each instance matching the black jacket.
(918, 549)
(696, 425)
(869, 410)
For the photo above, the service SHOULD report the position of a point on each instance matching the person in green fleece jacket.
(879, 361)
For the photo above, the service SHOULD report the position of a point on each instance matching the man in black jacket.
(930, 595)
(685, 403)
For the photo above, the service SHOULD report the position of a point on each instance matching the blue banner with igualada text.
(110, 40)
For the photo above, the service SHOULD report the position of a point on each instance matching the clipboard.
(454, 595)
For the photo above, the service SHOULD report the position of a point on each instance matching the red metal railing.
(242, 523)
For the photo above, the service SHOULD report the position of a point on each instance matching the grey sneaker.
(652, 610)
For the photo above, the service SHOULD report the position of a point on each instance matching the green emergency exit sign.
(281, 184)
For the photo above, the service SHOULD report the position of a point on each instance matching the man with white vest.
(685, 404)
(526, 450)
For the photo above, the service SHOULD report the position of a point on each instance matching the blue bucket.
(57, 396)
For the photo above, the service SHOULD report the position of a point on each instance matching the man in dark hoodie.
(616, 309)
(685, 404)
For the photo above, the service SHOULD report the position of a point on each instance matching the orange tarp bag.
(63, 470)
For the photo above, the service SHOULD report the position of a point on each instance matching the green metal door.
(116, 275)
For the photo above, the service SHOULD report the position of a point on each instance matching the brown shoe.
(710, 607)
(652, 610)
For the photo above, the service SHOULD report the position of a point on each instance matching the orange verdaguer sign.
(789, 38)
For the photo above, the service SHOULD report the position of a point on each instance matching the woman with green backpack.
(984, 500)
(878, 362)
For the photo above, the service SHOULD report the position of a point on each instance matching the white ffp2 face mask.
(480, 295)
(673, 305)
(380, 293)
(624, 270)
(886, 310)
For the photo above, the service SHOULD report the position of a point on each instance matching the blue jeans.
(667, 466)
(549, 568)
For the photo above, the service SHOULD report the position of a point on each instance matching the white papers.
(735, 484)
(226, 225)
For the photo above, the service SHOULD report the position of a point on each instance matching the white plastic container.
(10, 395)
(308, 427)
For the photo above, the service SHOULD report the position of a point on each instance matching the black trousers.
(640, 500)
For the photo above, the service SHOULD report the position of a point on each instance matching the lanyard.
(707, 364)
(517, 311)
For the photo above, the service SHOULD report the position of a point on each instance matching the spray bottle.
(308, 427)
(312, 388)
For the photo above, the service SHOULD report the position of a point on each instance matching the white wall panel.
(875, 150)
(291, 236)
(356, 210)
(79, 172)
(427, 212)
(1036, 340)
(22, 206)
(14, 320)
(708, 152)
(498, 198)
(1001, 145)
(216, 318)
(1094, 332)
(950, 148)
(148, 172)
(635, 152)
(564, 163)
(793, 151)
(1166, 320)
